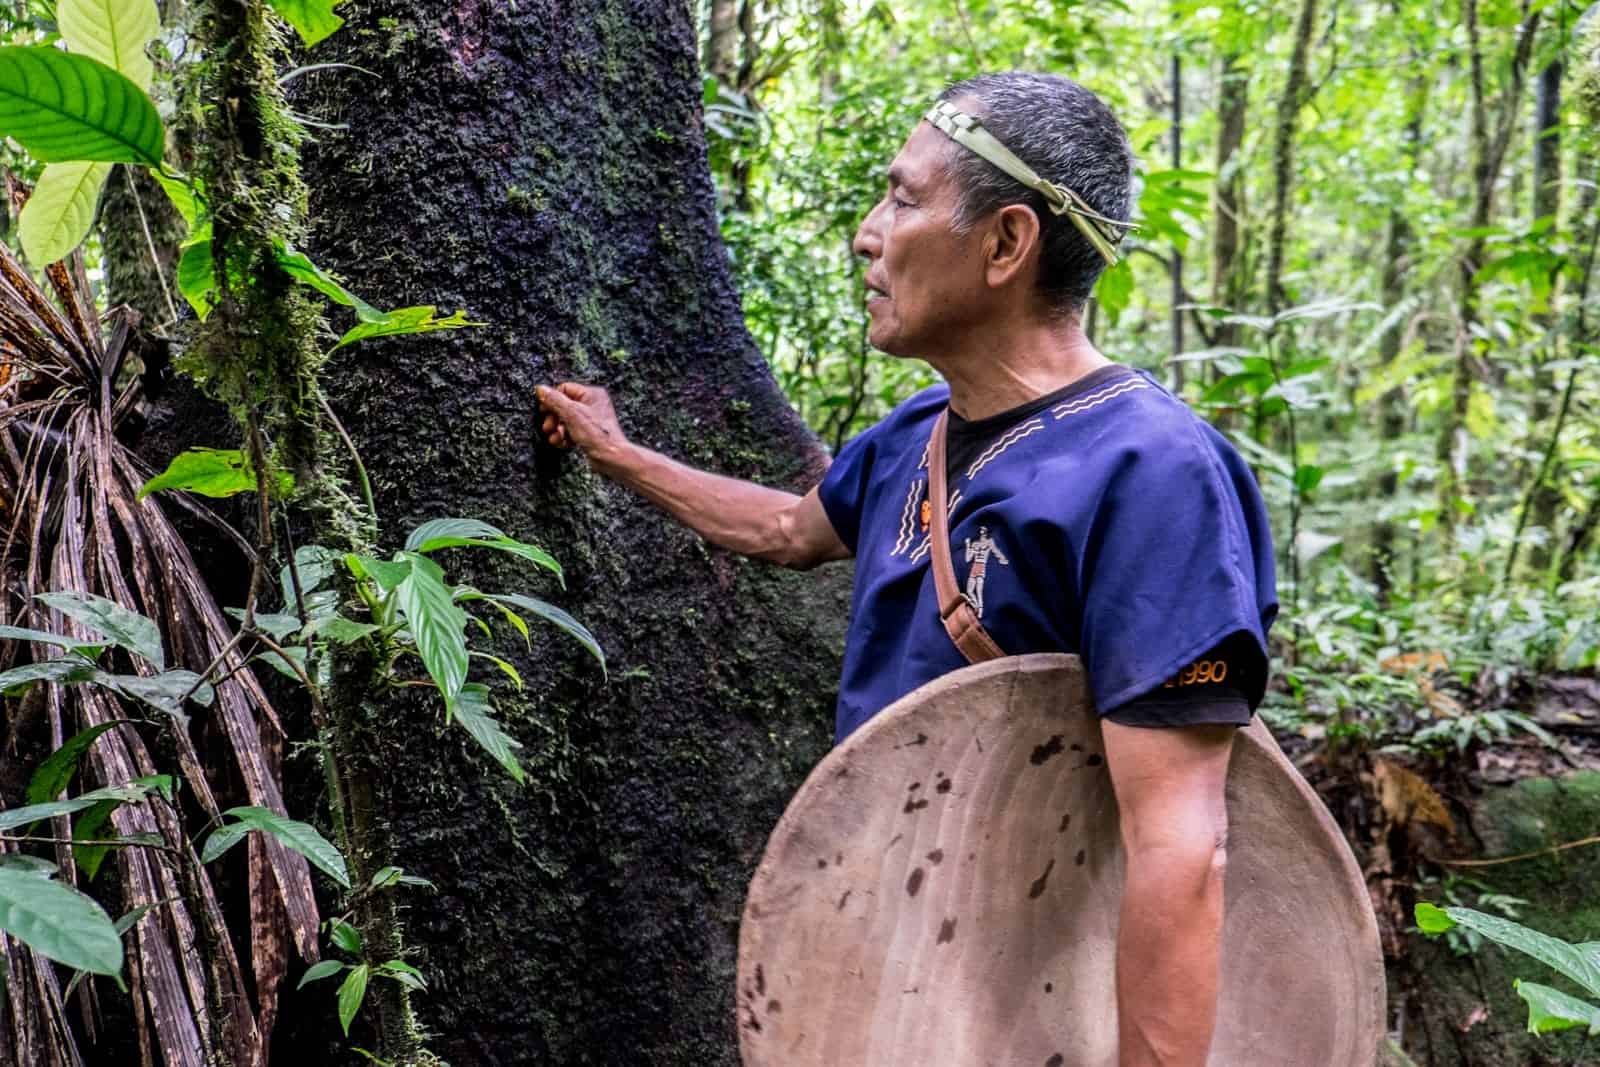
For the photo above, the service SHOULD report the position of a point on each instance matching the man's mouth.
(874, 293)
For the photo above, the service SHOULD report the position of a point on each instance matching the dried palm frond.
(71, 519)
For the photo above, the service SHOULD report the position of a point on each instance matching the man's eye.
(899, 203)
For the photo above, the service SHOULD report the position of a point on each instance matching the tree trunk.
(1488, 153)
(1289, 105)
(1227, 203)
(1398, 249)
(1175, 84)
(1545, 497)
(545, 168)
(722, 42)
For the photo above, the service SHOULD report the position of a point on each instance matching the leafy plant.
(1549, 1009)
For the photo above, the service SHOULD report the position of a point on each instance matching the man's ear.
(1013, 246)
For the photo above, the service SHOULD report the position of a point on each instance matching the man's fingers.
(577, 392)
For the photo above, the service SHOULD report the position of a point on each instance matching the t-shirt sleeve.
(1213, 690)
(1176, 560)
(843, 491)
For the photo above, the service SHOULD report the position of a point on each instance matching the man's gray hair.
(1066, 134)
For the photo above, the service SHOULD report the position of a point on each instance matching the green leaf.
(404, 321)
(280, 661)
(351, 994)
(185, 199)
(222, 839)
(91, 826)
(124, 794)
(1307, 477)
(436, 534)
(1571, 960)
(62, 108)
(128, 629)
(214, 472)
(314, 565)
(1432, 919)
(164, 692)
(301, 269)
(89, 649)
(53, 776)
(436, 623)
(64, 669)
(345, 936)
(388, 574)
(58, 215)
(1115, 289)
(1550, 1009)
(57, 921)
(197, 272)
(385, 877)
(274, 626)
(552, 614)
(340, 630)
(298, 836)
(505, 668)
(314, 20)
(403, 973)
(318, 971)
(115, 32)
(471, 708)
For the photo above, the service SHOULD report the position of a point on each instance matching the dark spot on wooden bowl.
(914, 883)
(1036, 890)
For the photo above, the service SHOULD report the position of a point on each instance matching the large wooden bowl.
(943, 892)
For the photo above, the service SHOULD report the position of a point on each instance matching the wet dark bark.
(544, 168)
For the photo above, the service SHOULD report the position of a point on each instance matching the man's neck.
(1007, 368)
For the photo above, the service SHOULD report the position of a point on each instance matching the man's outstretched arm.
(1169, 784)
(750, 519)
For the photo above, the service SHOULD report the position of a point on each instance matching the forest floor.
(1423, 828)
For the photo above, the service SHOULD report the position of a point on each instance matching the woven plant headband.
(1101, 232)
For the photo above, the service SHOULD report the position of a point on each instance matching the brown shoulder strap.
(960, 621)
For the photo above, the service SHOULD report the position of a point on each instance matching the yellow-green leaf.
(58, 215)
(113, 31)
(314, 19)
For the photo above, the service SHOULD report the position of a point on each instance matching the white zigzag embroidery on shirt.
(926, 543)
(1011, 437)
(908, 519)
(1079, 406)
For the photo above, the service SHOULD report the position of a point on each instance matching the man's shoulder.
(1132, 421)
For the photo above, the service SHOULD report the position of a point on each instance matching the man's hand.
(582, 415)
(1169, 784)
(750, 519)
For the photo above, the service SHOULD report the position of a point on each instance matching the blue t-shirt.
(1115, 524)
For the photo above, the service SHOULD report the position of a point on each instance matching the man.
(1102, 516)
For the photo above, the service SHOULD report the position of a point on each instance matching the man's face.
(925, 283)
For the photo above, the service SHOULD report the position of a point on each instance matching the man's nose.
(867, 242)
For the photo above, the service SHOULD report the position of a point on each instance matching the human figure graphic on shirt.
(978, 553)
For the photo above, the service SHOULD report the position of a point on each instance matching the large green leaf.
(435, 534)
(314, 20)
(52, 777)
(90, 649)
(128, 629)
(197, 272)
(115, 32)
(65, 669)
(552, 614)
(1550, 1009)
(292, 834)
(164, 692)
(63, 107)
(1571, 960)
(437, 625)
(299, 267)
(123, 794)
(92, 826)
(318, 971)
(313, 565)
(352, 991)
(471, 708)
(58, 922)
(185, 198)
(214, 472)
(405, 321)
(57, 217)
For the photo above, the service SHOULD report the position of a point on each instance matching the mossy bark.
(543, 167)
